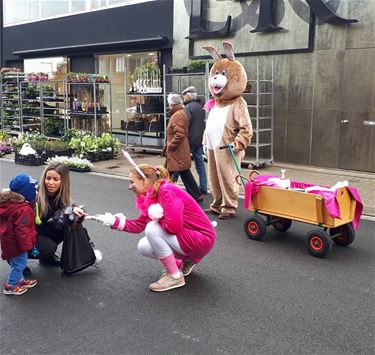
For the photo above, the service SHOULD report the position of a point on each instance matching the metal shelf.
(267, 98)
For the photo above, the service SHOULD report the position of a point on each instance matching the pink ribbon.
(209, 105)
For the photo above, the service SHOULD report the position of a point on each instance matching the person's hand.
(107, 219)
(78, 211)
(235, 147)
(155, 211)
(205, 150)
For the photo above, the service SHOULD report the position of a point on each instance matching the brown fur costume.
(228, 123)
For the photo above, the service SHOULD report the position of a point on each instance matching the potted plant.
(5, 145)
(197, 66)
(53, 127)
(57, 148)
(73, 163)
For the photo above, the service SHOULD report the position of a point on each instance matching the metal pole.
(165, 104)
(126, 106)
(272, 111)
(257, 119)
(95, 112)
(110, 107)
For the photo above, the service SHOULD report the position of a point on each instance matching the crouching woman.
(177, 231)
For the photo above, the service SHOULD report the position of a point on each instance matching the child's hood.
(7, 201)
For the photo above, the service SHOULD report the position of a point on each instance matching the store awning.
(93, 47)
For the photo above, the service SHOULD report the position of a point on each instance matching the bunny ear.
(214, 53)
(133, 164)
(228, 49)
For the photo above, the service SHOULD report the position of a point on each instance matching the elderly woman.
(177, 149)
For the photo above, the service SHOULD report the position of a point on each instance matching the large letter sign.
(267, 9)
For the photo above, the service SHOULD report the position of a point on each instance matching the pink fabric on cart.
(330, 201)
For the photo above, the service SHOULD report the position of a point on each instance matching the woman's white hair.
(175, 99)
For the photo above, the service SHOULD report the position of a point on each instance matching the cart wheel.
(282, 224)
(255, 227)
(318, 243)
(346, 234)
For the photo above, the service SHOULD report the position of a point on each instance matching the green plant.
(148, 69)
(53, 127)
(197, 64)
(56, 146)
(36, 140)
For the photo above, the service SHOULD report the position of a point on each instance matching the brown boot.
(225, 215)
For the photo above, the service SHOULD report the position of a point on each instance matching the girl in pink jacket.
(177, 231)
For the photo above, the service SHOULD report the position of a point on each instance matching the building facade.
(323, 54)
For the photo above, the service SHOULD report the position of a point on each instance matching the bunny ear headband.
(132, 162)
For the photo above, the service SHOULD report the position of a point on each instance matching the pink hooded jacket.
(183, 217)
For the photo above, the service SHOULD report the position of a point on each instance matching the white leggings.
(158, 243)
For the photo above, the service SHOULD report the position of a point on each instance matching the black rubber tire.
(318, 243)
(347, 234)
(282, 224)
(255, 227)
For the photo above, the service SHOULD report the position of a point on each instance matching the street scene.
(246, 297)
(187, 177)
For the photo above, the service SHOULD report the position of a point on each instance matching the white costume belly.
(215, 126)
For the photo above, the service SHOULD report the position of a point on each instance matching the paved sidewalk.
(362, 181)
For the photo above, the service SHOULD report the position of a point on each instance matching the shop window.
(55, 67)
(78, 6)
(97, 4)
(15, 11)
(24, 11)
(54, 8)
(114, 66)
(34, 10)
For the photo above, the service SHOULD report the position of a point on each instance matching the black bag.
(77, 251)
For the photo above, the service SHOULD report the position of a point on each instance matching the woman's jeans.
(197, 153)
(17, 265)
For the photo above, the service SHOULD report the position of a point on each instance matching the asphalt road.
(246, 297)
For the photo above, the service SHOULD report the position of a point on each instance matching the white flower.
(74, 162)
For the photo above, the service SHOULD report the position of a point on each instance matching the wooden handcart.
(281, 206)
(278, 207)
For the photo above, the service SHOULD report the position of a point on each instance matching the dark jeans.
(48, 242)
(197, 153)
(190, 183)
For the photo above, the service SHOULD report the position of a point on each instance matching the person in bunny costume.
(228, 123)
(177, 231)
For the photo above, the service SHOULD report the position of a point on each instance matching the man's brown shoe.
(225, 215)
(210, 211)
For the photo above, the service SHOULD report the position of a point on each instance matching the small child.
(17, 231)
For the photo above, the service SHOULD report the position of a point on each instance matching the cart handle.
(226, 146)
(253, 172)
(230, 147)
(240, 179)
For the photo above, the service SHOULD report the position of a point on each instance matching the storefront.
(319, 57)
(113, 41)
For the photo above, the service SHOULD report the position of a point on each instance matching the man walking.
(197, 125)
